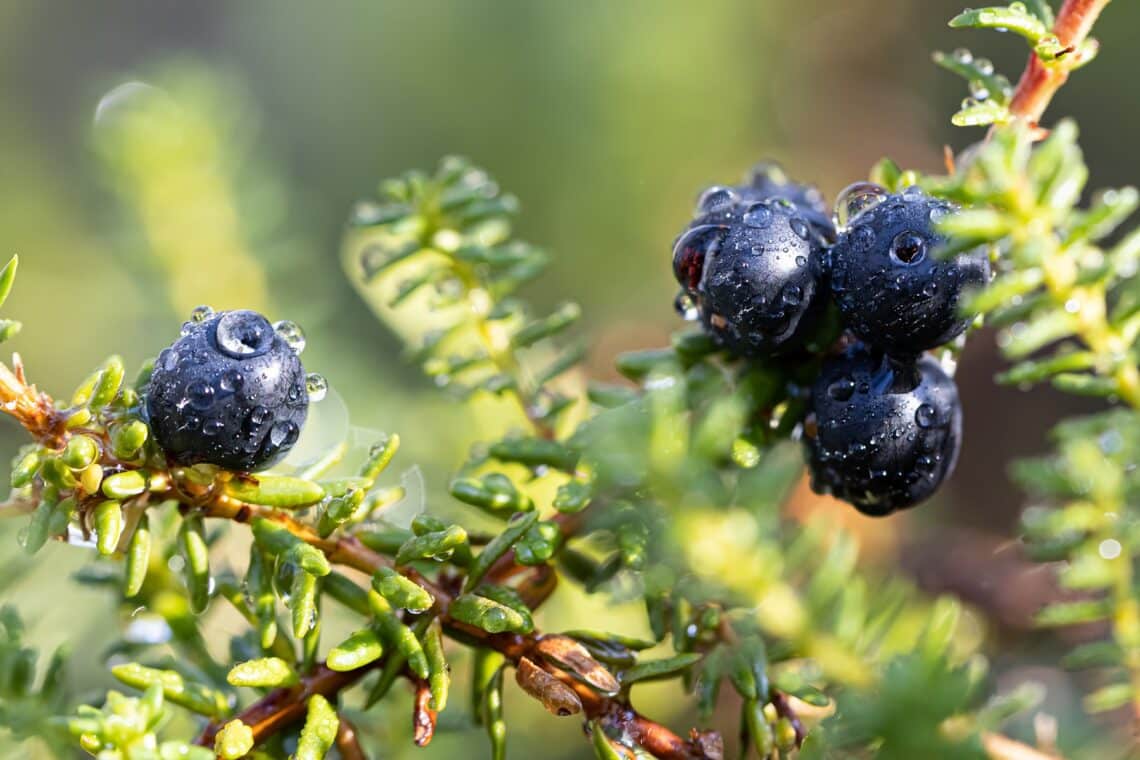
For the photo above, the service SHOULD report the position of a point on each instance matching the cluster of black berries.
(758, 266)
(231, 391)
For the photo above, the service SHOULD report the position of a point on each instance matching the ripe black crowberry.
(750, 270)
(886, 431)
(231, 391)
(891, 289)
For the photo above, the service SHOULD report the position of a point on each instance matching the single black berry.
(231, 392)
(886, 432)
(891, 289)
(750, 270)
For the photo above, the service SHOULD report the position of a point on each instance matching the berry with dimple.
(231, 391)
(750, 270)
(891, 289)
(882, 434)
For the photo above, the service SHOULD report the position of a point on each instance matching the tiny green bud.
(80, 452)
(91, 479)
(234, 741)
(108, 519)
(25, 470)
(128, 437)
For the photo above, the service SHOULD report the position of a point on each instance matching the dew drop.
(316, 386)
(292, 334)
(908, 247)
(716, 198)
(842, 389)
(792, 295)
(962, 55)
(1072, 306)
(926, 416)
(758, 216)
(200, 394)
(213, 428)
(856, 199)
(168, 359)
(258, 416)
(801, 261)
(938, 213)
(283, 434)
(799, 226)
(243, 334)
(978, 89)
(191, 422)
(231, 381)
(200, 314)
(690, 250)
(929, 289)
(686, 306)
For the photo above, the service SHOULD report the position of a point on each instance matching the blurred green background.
(606, 117)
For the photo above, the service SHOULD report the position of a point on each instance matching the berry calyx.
(891, 289)
(230, 392)
(886, 432)
(750, 270)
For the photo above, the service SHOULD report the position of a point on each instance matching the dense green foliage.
(665, 490)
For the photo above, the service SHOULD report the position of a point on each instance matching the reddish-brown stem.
(1040, 80)
(347, 741)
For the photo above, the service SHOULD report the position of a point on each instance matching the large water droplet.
(799, 226)
(200, 394)
(690, 250)
(856, 199)
(292, 334)
(283, 434)
(908, 247)
(258, 416)
(716, 198)
(316, 386)
(841, 389)
(926, 416)
(213, 428)
(200, 314)
(792, 295)
(243, 334)
(758, 215)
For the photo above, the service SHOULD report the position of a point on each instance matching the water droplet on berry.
(168, 359)
(231, 381)
(200, 394)
(856, 199)
(929, 289)
(283, 434)
(716, 198)
(243, 334)
(792, 295)
(186, 329)
(213, 428)
(799, 226)
(200, 314)
(913, 193)
(908, 247)
(926, 416)
(758, 215)
(690, 250)
(316, 386)
(686, 306)
(191, 422)
(938, 213)
(292, 334)
(258, 416)
(801, 261)
(842, 389)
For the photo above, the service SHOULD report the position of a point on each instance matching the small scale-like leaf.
(7, 277)
(266, 672)
(1007, 18)
(176, 689)
(1108, 698)
(488, 614)
(439, 672)
(234, 741)
(108, 520)
(400, 591)
(359, 649)
(499, 546)
(279, 491)
(138, 558)
(319, 732)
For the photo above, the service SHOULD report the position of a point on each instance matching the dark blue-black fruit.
(750, 270)
(886, 431)
(231, 392)
(890, 288)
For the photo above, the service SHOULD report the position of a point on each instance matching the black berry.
(750, 270)
(886, 432)
(231, 392)
(887, 283)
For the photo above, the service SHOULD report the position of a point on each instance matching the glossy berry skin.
(887, 283)
(229, 392)
(752, 271)
(886, 432)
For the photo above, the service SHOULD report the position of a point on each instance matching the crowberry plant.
(664, 490)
